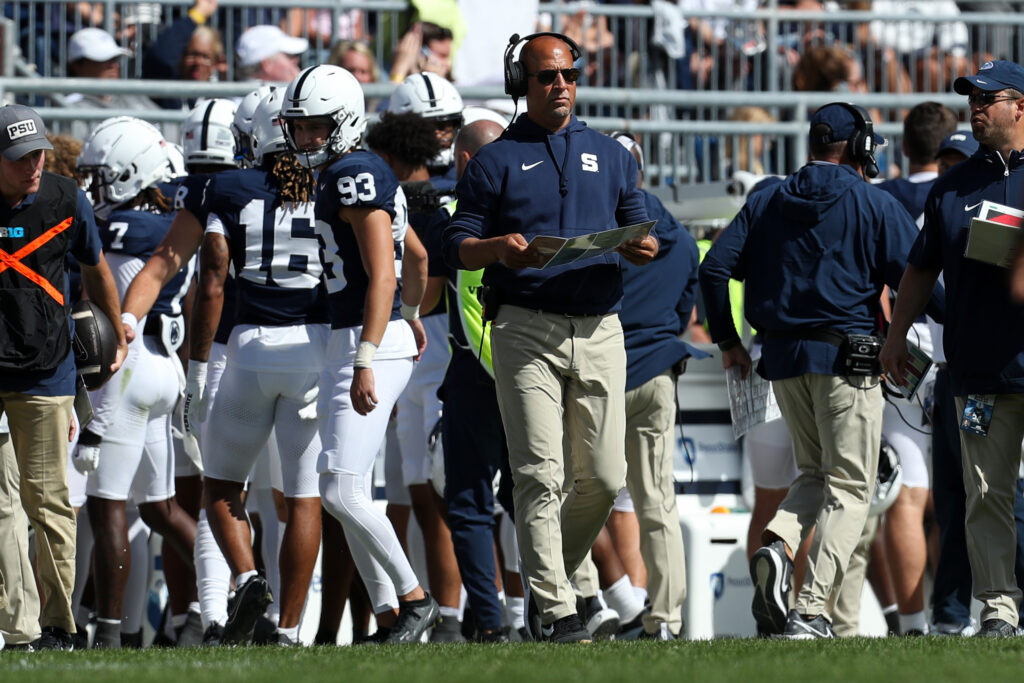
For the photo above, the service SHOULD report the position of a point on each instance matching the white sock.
(621, 598)
(641, 594)
(914, 621)
(178, 620)
(213, 576)
(514, 609)
(292, 632)
(243, 577)
(452, 612)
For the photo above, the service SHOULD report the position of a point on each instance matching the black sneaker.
(250, 602)
(602, 621)
(264, 632)
(378, 637)
(771, 570)
(283, 640)
(996, 628)
(191, 633)
(213, 636)
(447, 630)
(799, 627)
(414, 618)
(55, 638)
(568, 629)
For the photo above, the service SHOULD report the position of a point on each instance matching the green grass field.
(751, 661)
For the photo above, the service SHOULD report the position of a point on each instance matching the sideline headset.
(515, 70)
(862, 143)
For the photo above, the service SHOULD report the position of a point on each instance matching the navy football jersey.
(138, 234)
(190, 193)
(273, 246)
(361, 179)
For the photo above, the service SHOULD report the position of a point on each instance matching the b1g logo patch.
(12, 231)
(21, 129)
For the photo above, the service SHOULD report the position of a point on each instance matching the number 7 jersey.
(360, 179)
(274, 250)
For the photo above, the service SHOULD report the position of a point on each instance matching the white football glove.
(195, 396)
(87, 455)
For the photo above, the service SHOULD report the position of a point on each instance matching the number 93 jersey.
(274, 249)
(360, 179)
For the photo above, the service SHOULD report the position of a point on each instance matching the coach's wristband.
(365, 354)
(130, 320)
(410, 312)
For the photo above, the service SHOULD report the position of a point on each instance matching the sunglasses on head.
(987, 98)
(548, 76)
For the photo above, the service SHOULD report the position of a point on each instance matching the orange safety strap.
(14, 260)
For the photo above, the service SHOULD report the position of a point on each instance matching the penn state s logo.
(589, 162)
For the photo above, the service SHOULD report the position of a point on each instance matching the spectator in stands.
(188, 49)
(93, 53)
(716, 48)
(747, 154)
(931, 53)
(357, 58)
(424, 47)
(266, 53)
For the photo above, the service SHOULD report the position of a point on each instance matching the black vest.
(34, 307)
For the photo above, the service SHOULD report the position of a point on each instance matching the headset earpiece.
(862, 142)
(515, 71)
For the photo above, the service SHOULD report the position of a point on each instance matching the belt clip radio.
(860, 354)
(490, 299)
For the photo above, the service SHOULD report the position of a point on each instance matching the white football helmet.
(325, 91)
(207, 136)
(176, 160)
(432, 97)
(242, 124)
(123, 155)
(267, 131)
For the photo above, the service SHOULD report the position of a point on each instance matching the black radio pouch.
(490, 299)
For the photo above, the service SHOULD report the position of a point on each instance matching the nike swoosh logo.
(527, 168)
(972, 208)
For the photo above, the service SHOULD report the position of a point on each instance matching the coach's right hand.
(514, 252)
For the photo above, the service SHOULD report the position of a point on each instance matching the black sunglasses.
(987, 98)
(548, 76)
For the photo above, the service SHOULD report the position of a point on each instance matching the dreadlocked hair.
(151, 198)
(294, 181)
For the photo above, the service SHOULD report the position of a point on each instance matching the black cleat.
(996, 628)
(213, 636)
(414, 618)
(250, 602)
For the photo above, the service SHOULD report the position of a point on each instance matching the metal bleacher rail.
(636, 86)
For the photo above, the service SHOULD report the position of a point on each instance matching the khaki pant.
(650, 419)
(558, 375)
(836, 425)
(19, 597)
(990, 478)
(847, 598)
(39, 432)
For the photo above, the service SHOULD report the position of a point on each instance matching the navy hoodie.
(534, 182)
(814, 252)
(984, 326)
(658, 299)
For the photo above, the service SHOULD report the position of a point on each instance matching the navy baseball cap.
(961, 141)
(21, 132)
(997, 75)
(842, 122)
